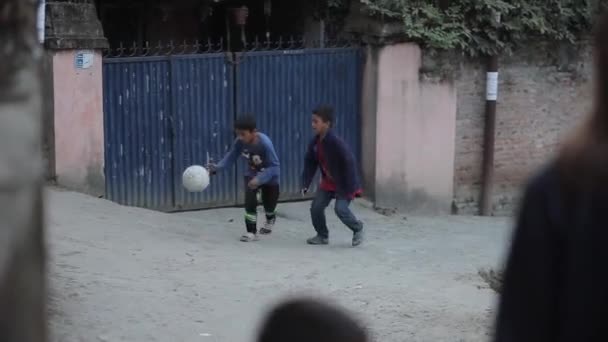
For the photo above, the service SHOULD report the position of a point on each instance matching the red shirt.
(327, 182)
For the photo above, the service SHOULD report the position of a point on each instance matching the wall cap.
(71, 25)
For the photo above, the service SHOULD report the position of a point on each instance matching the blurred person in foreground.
(556, 280)
(304, 320)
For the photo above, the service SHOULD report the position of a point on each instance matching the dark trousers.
(317, 213)
(270, 198)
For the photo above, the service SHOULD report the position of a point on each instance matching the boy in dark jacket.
(339, 178)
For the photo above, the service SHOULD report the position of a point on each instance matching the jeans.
(317, 213)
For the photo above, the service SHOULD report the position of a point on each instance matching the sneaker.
(318, 240)
(358, 238)
(249, 237)
(268, 227)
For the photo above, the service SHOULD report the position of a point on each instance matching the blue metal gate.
(138, 151)
(203, 119)
(283, 87)
(165, 113)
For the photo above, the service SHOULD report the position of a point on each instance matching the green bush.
(471, 26)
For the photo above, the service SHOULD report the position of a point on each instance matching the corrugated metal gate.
(282, 88)
(165, 113)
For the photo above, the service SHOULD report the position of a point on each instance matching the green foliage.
(472, 26)
(336, 3)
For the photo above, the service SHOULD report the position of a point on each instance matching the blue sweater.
(340, 161)
(262, 160)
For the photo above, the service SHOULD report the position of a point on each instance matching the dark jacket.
(556, 278)
(341, 164)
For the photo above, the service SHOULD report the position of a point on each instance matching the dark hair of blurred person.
(304, 320)
(556, 279)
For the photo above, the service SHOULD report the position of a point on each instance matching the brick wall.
(543, 93)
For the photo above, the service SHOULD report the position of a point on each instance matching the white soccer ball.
(195, 178)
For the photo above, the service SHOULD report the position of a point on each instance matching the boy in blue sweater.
(262, 174)
(339, 178)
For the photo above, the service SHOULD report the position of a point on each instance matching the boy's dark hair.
(305, 320)
(246, 123)
(326, 113)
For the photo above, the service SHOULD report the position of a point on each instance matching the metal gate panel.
(203, 121)
(165, 113)
(138, 160)
(283, 87)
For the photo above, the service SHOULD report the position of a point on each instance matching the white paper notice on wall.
(492, 86)
(83, 59)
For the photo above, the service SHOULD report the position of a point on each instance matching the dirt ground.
(125, 274)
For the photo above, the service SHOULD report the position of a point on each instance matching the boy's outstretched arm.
(310, 167)
(230, 157)
(266, 175)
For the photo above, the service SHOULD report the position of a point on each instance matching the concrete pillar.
(415, 135)
(74, 42)
(369, 108)
(408, 124)
(409, 128)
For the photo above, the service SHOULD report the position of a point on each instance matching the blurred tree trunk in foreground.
(22, 266)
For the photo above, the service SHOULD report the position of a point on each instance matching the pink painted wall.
(415, 135)
(78, 121)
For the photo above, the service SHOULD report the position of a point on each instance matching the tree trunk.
(22, 267)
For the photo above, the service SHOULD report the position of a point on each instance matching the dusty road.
(124, 274)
